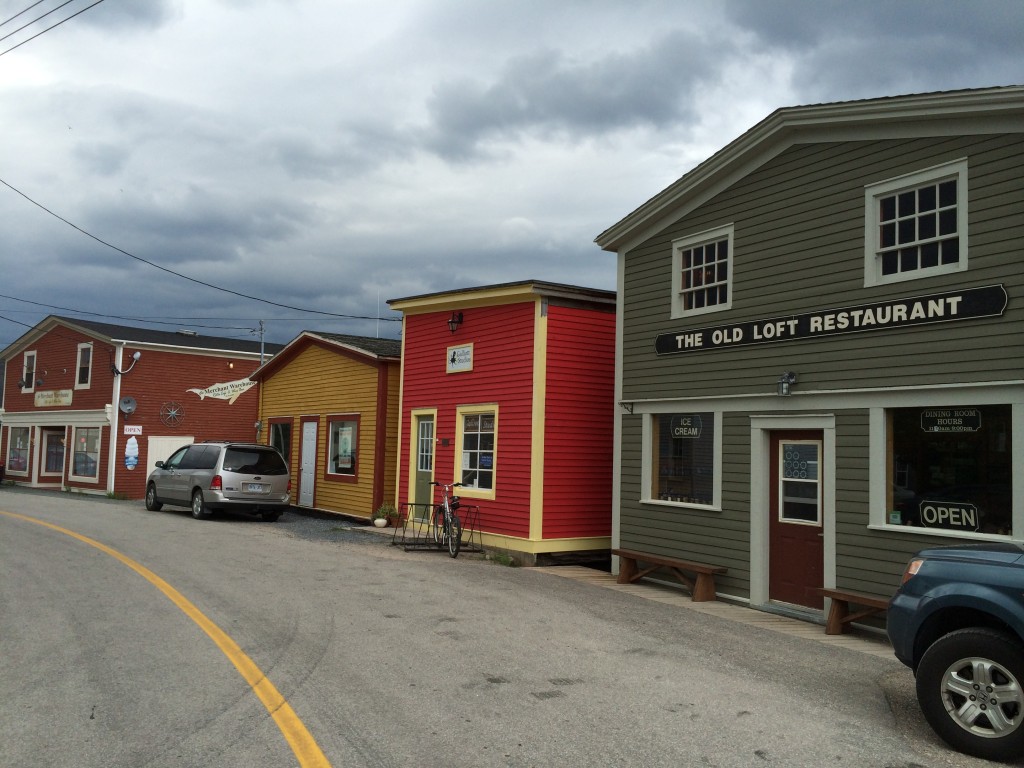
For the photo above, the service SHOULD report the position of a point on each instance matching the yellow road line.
(298, 737)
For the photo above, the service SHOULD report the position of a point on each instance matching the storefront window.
(950, 468)
(683, 452)
(478, 431)
(17, 449)
(344, 436)
(87, 453)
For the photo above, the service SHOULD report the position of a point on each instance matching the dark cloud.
(845, 50)
(552, 94)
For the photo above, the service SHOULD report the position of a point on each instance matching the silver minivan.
(216, 476)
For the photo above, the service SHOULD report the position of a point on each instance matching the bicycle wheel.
(437, 525)
(454, 530)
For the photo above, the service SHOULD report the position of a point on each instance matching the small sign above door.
(460, 359)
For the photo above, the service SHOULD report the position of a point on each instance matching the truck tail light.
(912, 568)
(217, 483)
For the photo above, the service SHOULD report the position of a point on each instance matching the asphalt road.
(393, 658)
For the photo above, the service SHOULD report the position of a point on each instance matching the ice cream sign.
(228, 390)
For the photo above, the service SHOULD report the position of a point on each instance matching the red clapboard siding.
(502, 338)
(579, 423)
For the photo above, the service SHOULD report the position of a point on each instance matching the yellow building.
(329, 403)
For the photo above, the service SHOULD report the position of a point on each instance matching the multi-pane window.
(86, 459)
(28, 372)
(919, 224)
(84, 366)
(343, 446)
(702, 268)
(683, 457)
(478, 444)
(18, 449)
(425, 446)
(951, 468)
(800, 481)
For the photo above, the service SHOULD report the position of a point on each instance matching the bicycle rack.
(413, 532)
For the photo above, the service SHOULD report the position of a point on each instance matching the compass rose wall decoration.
(172, 413)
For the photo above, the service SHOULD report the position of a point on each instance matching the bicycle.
(445, 523)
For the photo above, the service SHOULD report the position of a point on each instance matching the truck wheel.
(969, 686)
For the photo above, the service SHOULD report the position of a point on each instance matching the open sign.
(949, 515)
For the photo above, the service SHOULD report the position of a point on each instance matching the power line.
(186, 277)
(26, 10)
(69, 18)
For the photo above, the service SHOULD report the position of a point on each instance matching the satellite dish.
(128, 405)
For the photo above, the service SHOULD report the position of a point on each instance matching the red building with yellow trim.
(509, 389)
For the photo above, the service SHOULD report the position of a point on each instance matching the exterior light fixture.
(258, 426)
(135, 359)
(785, 383)
(454, 321)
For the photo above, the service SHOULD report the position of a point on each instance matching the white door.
(307, 464)
(160, 448)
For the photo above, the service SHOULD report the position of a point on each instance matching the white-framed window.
(28, 372)
(83, 368)
(916, 225)
(425, 446)
(683, 458)
(343, 445)
(702, 272)
(18, 447)
(477, 447)
(85, 458)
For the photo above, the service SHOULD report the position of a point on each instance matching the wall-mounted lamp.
(231, 365)
(258, 426)
(135, 359)
(785, 383)
(454, 321)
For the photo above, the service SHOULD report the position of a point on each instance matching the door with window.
(423, 434)
(796, 524)
(53, 452)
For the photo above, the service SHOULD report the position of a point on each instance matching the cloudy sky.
(329, 155)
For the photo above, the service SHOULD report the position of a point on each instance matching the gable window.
(916, 225)
(84, 366)
(28, 372)
(477, 447)
(343, 445)
(702, 272)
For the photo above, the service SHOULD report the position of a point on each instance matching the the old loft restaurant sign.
(989, 301)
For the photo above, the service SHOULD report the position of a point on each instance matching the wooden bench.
(839, 615)
(702, 585)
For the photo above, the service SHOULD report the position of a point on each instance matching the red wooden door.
(796, 553)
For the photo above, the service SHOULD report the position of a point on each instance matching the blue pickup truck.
(958, 622)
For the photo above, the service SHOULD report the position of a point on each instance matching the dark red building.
(92, 406)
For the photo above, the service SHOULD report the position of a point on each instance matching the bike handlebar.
(446, 485)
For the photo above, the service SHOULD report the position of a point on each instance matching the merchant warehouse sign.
(989, 301)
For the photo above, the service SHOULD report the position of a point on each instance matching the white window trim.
(343, 418)
(99, 457)
(461, 413)
(647, 463)
(78, 365)
(872, 270)
(7, 454)
(718, 233)
(30, 381)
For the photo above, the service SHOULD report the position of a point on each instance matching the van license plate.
(254, 488)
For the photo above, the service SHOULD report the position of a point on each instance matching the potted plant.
(380, 516)
(388, 512)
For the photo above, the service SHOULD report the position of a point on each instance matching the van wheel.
(270, 517)
(151, 503)
(199, 510)
(969, 686)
